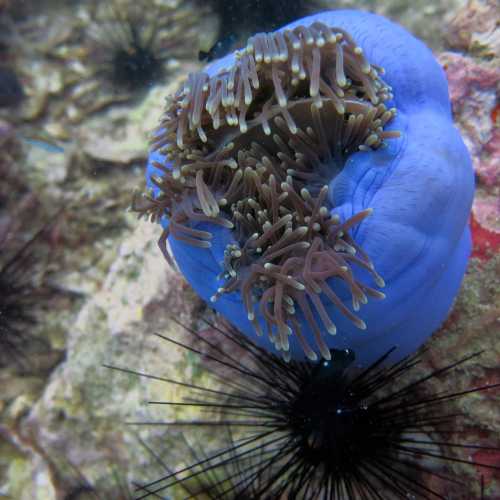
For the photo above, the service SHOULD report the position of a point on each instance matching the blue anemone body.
(420, 188)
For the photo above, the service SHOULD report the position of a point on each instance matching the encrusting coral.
(266, 166)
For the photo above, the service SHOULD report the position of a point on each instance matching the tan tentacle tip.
(258, 329)
(360, 324)
(326, 354)
(312, 356)
(285, 345)
(332, 330)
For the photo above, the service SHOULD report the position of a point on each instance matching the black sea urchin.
(22, 256)
(252, 149)
(131, 41)
(19, 290)
(320, 430)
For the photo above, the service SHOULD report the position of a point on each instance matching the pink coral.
(474, 86)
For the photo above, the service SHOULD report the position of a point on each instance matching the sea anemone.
(293, 192)
(322, 430)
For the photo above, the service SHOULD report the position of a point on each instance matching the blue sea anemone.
(313, 186)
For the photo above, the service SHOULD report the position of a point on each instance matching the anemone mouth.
(252, 148)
